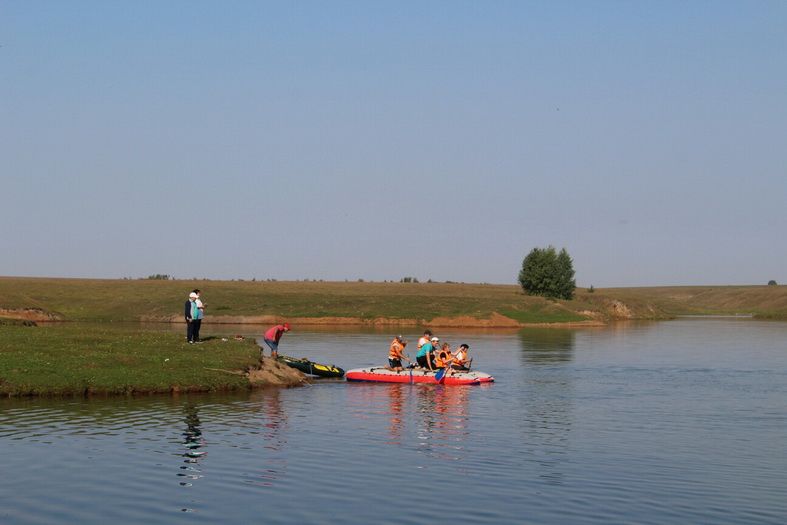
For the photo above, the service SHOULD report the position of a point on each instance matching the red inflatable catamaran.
(417, 375)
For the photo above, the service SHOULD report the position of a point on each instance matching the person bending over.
(272, 337)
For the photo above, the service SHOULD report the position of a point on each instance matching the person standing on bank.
(200, 315)
(272, 337)
(191, 312)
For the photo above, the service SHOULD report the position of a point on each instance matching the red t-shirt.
(274, 334)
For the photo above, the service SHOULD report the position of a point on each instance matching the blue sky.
(377, 140)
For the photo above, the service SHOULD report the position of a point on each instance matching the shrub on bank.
(547, 273)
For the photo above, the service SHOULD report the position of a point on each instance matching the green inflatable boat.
(310, 367)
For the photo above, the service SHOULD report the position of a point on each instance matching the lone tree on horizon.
(548, 273)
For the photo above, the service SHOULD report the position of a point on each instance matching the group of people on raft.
(430, 356)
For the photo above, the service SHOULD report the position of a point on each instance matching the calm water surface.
(674, 422)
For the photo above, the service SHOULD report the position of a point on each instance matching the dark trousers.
(197, 324)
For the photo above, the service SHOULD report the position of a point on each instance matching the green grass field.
(66, 359)
(133, 300)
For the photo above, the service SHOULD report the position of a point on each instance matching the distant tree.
(548, 273)
(771, 283)
(591, 289)
(159, 277)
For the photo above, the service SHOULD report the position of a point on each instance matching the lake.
(674, 422)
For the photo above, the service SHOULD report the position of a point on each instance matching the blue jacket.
(190, 310)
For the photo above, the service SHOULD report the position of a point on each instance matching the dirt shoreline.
(29, 314)
(495, 320)
(271, 373)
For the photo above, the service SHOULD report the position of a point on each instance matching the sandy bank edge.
(271, 373)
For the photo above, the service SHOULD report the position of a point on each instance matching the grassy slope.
(762, 301)
(66, 359)
(105, 300)
(86, 299)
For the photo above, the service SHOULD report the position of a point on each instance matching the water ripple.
(608, 427)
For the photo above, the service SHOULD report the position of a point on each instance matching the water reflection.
(275, 420)
(548, 408)
(442, 415)
(547, 345)
(396, 420)
(274, 436)
(193, 442)
(431, 418)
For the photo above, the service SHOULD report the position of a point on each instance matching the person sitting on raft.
(424, 355)
(443, 357)
(396, 354)
(462, 359)
(424, 339)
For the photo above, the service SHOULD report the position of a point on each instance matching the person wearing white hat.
(200, 314)
(424, 355)
(191, 314)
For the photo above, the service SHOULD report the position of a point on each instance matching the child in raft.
(396, 354)
(443, 357)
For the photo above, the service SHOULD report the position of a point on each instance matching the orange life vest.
(396, 351)
(460, 358)
(442, 358)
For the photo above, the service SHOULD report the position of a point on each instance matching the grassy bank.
(130, 300)
(66, 359)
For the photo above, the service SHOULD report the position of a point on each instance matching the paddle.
(440, 375)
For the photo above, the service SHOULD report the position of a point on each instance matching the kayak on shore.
(417, 375)
(310, 367)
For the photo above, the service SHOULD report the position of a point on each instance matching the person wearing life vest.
(443, 356)
(424, 355)
(272, 337)
(396, 354)
(462, 359)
